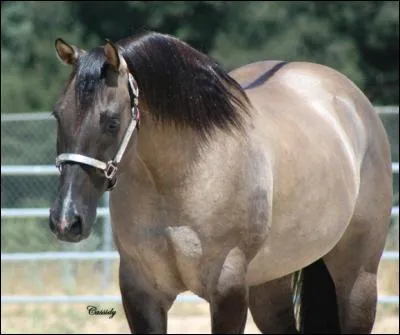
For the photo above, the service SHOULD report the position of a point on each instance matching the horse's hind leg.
(271, 305)
(353, 263)
(355, 279)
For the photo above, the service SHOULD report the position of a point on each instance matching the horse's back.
(311, 95)
(317, 127)
(279, 83)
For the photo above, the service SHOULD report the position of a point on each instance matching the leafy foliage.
(359, 38)
(31, 75)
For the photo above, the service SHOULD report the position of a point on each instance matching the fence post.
(107, 243)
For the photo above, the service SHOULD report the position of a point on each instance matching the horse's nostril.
(76, 226)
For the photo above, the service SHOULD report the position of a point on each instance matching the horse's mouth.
(70, 237)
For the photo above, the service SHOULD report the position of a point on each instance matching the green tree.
(373, 27)
(358, 38)
(31, 75)
(196, 22)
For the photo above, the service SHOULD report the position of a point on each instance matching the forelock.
(89, 74)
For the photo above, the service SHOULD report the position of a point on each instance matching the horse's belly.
(285, 252)
(314, 196)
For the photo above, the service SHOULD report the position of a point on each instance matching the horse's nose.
(75, 228)
(67, 227)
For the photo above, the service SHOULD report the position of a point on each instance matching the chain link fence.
(28, 140)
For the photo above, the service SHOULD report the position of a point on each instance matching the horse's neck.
(164, 154)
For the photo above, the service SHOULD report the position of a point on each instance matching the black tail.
(315, 304)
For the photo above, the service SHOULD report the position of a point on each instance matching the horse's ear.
(67, 53)
(113, 56)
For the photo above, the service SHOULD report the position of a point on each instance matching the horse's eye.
(113, 126)
(109, 123)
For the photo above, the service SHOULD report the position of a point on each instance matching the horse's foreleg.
(229, 302)
(145, 309)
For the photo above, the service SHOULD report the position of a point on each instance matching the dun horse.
(226, 185)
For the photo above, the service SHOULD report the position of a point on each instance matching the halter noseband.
(110, 168)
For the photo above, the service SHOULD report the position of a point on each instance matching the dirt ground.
(184, 318)
(200, 324)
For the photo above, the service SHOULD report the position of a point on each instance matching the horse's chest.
(168, 255)
(174, 241)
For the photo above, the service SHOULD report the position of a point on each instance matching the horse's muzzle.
(68, 228)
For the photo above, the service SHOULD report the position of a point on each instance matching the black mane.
(178, 84)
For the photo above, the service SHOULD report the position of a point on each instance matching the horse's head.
(96, 117)
(96, 114)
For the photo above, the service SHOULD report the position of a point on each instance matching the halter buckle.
(58, 166)
(110, 170)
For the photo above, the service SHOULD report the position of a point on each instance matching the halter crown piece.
(110, 168)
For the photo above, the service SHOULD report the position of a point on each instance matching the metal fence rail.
(20, 299)
(101, 211)
(99, 255)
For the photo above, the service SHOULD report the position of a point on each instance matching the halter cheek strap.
(110, 168)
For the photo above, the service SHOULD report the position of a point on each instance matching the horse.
(263, 188)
